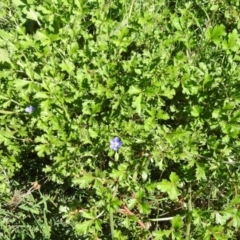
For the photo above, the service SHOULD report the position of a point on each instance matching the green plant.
(160, 75)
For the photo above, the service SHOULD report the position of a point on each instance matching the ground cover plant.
(119, 119)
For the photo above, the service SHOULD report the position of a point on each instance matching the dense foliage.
(159, 79)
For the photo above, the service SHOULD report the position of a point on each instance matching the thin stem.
(189, 217)
(100, 214)
(111, 221)
(161, 219)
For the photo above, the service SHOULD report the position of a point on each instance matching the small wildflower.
(115, 143)
(29, 109)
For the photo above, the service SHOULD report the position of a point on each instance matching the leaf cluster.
(161, 75)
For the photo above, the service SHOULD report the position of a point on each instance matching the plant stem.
(111, 222)
(111, 214)
(189, 214)
(161, 219)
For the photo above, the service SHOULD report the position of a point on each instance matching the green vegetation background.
(163, 76)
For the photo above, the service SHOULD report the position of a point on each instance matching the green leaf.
(177, 222)
(137, 103)
(134, 90)
(41, 95)
(233, 41)
(196, 214)
(169, 93)
(228, 106)
(132, 203)
(207, 80)
(140, 194)
(87, 215)
(170, 187)
(216, 233)
(78, 3)
(84, 181)
(120, 173)
(68, 67)
(216, 33)
(7, 134)
(63, 209)
(236, 220)
(143, 207)
(161, 234)
(196, 110)
(83, 227)
(29, 209)
(21, 83)
(18, 3)
(41, 149)
(174, 177)
(5, 35)
(236, 117)
(43, 38)
(222, 219)
(200, 173)
(162, 115)
(73, 48)
(138, 71)
(216, 113)
(122, 33)
(92, 133)
(176, 23)
(4, 55)
(31, 14)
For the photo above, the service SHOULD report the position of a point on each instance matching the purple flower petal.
(115, 143)
(29, 109)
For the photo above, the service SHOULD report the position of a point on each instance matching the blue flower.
(115, 143)
(29, 109)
